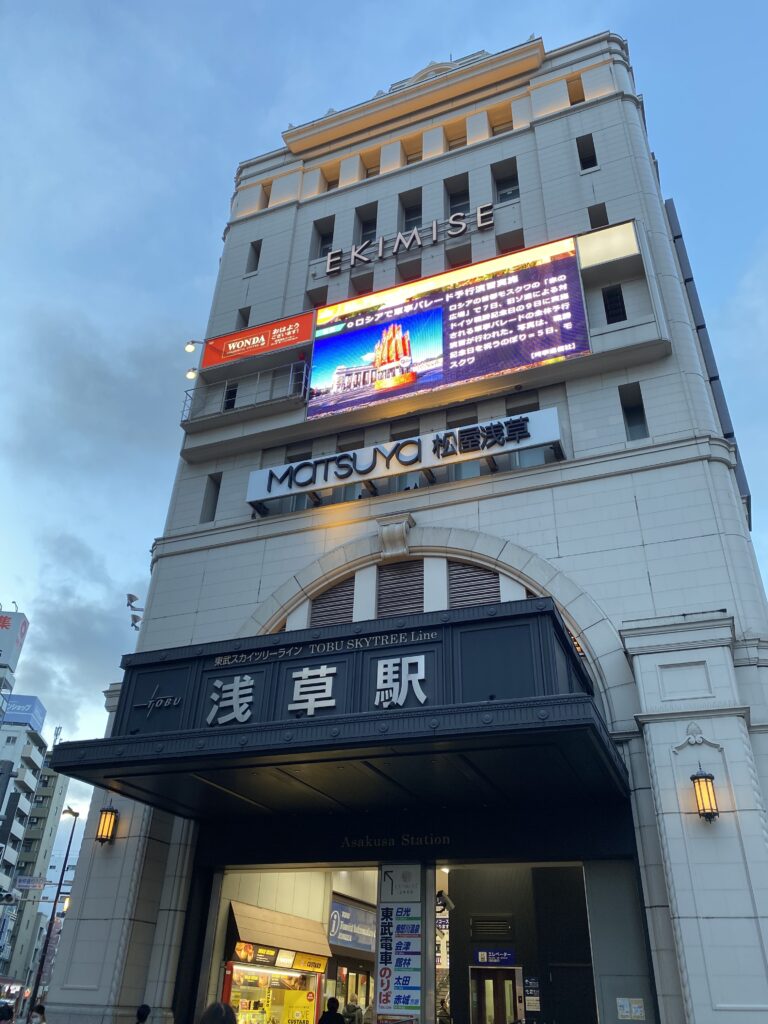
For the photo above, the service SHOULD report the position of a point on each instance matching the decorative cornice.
(722, 711)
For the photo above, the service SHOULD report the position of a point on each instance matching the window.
(500, 119)
(472, 584)
(11, 739)
(334, 606)
(587, 156)
(400, 430)
(632, 406)
(456, 135)
(410, 210)
(230, 396)
(366, 223)
(27, 845)
(505, 181)
(613, 301)
(575, 89)
(410, 270)
(521, 402)
(400, 588)
(350, 440)
(34, 821)
(413, 149)
(254, 255)
(331, 184)
(598, 216)
(210, 498)
(322, 241)
(457, 194)
(460, 416)
(243, 318)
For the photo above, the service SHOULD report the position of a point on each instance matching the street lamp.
(704, 790)
(49, 930)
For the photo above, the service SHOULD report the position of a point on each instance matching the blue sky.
(123, 124)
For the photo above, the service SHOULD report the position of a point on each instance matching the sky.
(122, 127)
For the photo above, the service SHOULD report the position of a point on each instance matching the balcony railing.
(257, 390)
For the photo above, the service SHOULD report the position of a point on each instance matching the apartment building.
(455, 624)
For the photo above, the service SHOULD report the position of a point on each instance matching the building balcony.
(17, 829)
(24, 805)
(242, 398)
(25, 780)
(32, 756)
(10, 857)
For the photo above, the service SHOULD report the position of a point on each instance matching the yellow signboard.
(310, 962)
(299, 1008)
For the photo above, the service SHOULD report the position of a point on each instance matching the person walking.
(142, 1013)
(443, 1013)
(331, 1015)
(353, 1013)
(218, 1013)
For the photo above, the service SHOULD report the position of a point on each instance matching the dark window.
(350, 440)
(243, 318)
(460, 416)
(230, 396)
(331, 184)
(366, 223)
(506, 181)
(410, 210)
(587, 155)
(456, 136)
(613, 301)
(334, 607)
(575, 90)
(409, 270)
(254, 255)
(458, 202)
(400, 430)
(210, 498)
(400, 588)
(598, 216)
(522, 402)
(634, 411)
(322, 242)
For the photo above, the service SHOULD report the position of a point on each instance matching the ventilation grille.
(400, 588)
(500, 928)
(471, 584)
(334, 606)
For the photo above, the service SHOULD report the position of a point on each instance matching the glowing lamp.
(191, 373)
(105, 831)
(704, 789)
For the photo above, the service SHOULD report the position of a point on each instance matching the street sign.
(31, 882)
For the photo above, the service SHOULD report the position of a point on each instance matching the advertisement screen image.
(516, 311)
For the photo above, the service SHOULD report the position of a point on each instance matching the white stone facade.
(643, 543)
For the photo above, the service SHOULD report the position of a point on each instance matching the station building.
(451, 682)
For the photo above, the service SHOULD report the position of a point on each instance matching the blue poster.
(352, 926)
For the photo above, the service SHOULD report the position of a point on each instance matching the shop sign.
(310, 962)
(13, 632)
(495, 957)
(285, 958)
(630, 1009)
(374, 249)
(352, 927)
(422, 453)
(399, 945)
(532, 995)
(256, 341)
(250, 953)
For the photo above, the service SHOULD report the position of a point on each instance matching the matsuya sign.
(426, 452)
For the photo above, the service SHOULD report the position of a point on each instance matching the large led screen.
(506, 314)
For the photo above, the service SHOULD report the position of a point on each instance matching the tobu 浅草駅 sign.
(257, 341)
(425, 452)
(510, 313)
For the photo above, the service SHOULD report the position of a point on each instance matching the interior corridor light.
(105, 831)
(704, 788)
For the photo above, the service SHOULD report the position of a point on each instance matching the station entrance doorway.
(501, 943)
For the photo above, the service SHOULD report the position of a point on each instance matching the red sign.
(255, 341)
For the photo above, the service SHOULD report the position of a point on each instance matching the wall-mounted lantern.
(105, 831)
(704, 788)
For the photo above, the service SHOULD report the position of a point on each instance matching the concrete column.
(435, 584)
(364, 603)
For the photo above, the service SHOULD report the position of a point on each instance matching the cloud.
(78, 631)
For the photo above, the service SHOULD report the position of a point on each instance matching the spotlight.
(190, 346)
(191, 373)
(132, 599)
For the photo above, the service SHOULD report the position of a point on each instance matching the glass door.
(493, 996)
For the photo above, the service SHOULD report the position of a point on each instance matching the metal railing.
(278, 384)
